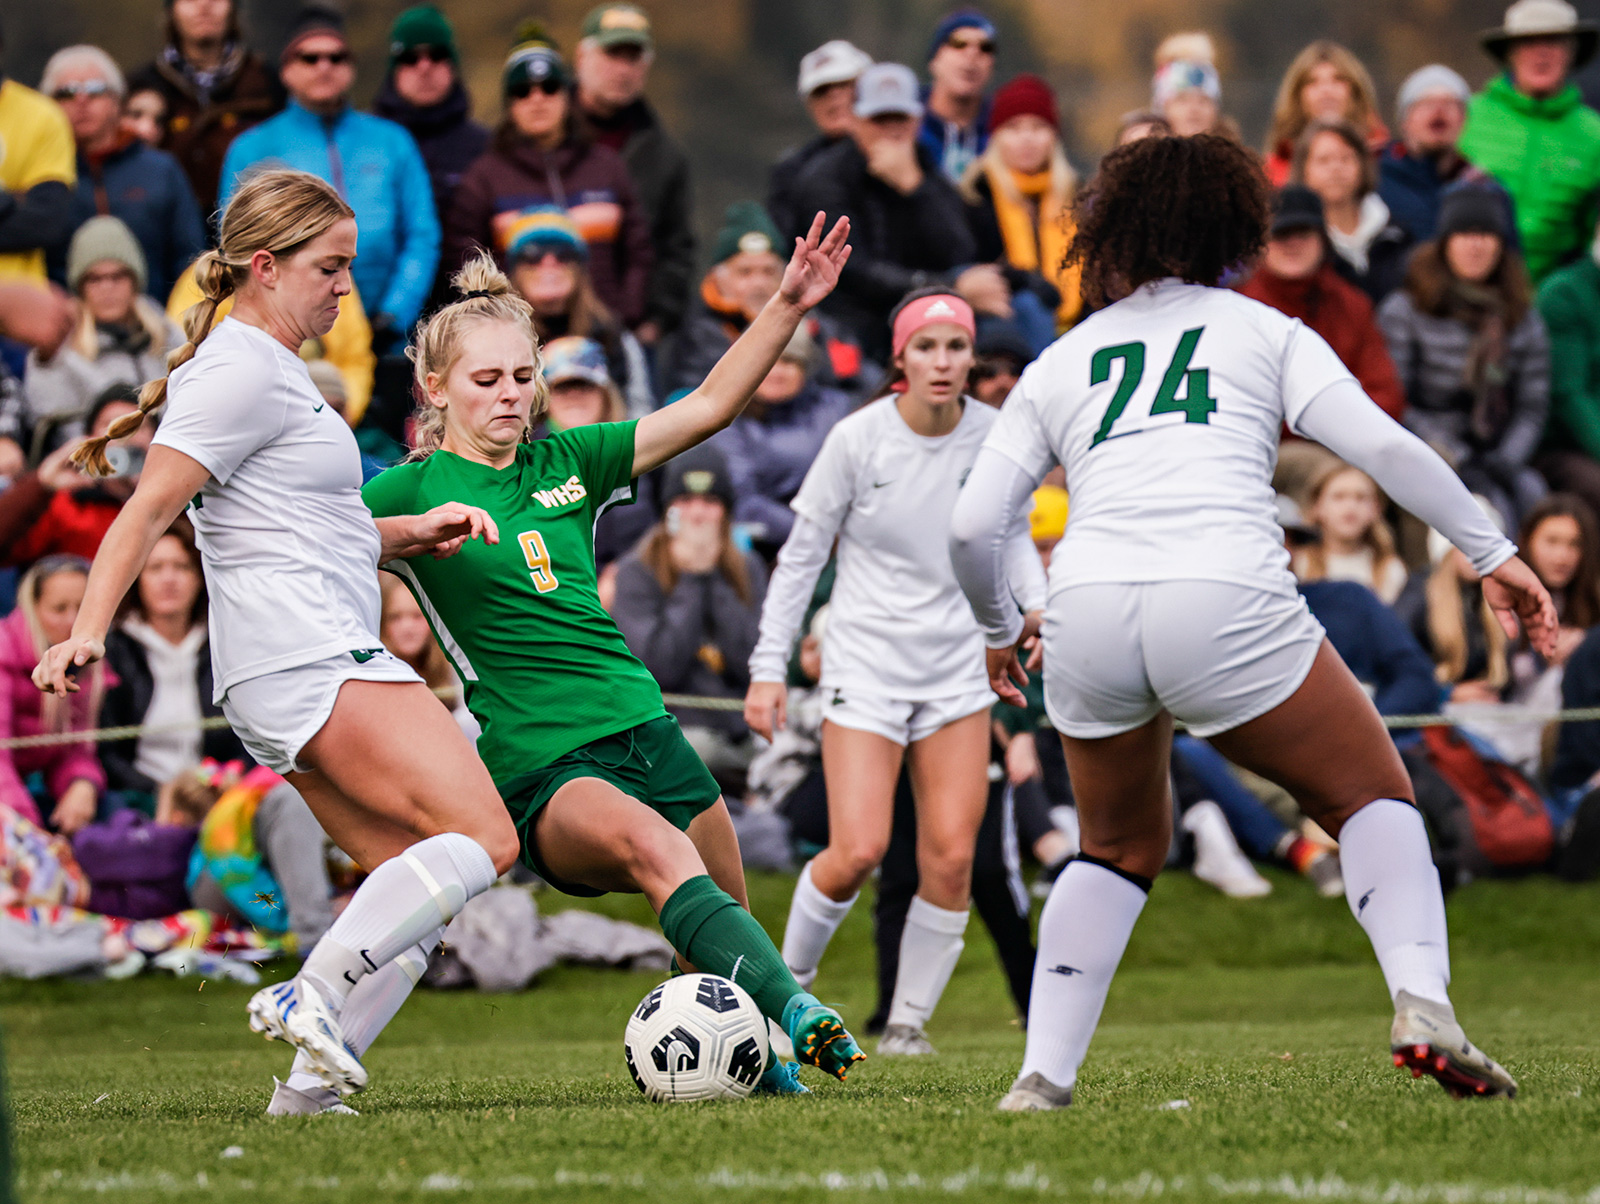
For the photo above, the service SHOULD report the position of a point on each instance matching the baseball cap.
(887, 88)
(575, 358)
(701, 471)
(833, 62)
(1296, 207)
(618, 25)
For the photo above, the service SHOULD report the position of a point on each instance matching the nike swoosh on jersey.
(318, 409)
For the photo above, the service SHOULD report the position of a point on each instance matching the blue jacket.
(148, 190)
(376, 167)
(1413, 188)
(1377, 646)
(951, 146)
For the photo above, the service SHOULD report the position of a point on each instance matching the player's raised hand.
(54, 672)
(766, 707)
(1514, 593)
(814, 267)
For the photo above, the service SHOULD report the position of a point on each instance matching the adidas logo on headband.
(939, 309)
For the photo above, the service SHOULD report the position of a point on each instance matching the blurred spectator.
(955, 116)
(214, 88)
(160, 658)
(37, 174)
(770, 446)
(1576, 767)
(1019, 194)
(1332, 160)
(56, 509)
(118, 175)
(1377, 646)
(1002, 355)
(1560, 540)
(404, 630)
(1141, 123)
(1444, 608)
(1471, 350)
(1356, 544)
(539, 158)
(144, 115)
(122, 337)
(908, 225)
(1187, 90)
(1569, 302)
(48, 598)
(549, 265)
(1416, 168)
(688, 602)
(828, 88)
(1325, 82)
(1530, 129)
(372, 163)
(612, 65)
(423, 92)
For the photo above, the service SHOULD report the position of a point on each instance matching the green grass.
(1267, 1017)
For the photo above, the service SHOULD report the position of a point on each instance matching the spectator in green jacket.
(1569, 299)
(1531, 130)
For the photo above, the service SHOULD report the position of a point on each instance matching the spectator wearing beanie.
(37, 173)
(1186, 89)
(1531, 130)
(118, 175)
(540, 156)
(122, 336)
(1472, 353)
(1569, 302)
(371, 162)
(955, 116)
(908, 227)
(1019, 199)
(1416, 168)
(214, 89)
(828, 88)
(423, 92)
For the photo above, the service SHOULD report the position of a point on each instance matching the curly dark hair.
(1186, 207)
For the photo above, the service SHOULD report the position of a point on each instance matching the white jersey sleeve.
(1310, 366)
(830, 485)
(214, 421)
(1018, 434)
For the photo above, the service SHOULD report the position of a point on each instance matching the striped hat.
(541, 228)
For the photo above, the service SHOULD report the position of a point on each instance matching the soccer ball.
(696, 1037)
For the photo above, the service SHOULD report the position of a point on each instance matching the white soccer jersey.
(290, 549)
(898, 624)
(1165, 410)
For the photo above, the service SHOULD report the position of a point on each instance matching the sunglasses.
(422, 54)
(89, 87)
(550, 85)
(536, 253)
(986, 45)
(334, 58)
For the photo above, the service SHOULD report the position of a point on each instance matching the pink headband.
(926, 311)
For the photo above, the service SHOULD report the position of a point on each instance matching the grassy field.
(1243, 1054)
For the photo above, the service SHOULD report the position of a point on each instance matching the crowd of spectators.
(1452, 264)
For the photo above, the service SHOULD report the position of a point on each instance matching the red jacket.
(1342, 314)
(34, 522)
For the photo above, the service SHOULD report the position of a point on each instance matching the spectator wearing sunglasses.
(423, 92)
(541, 156)
(214, 89)
(118, 175)
(955, 104)
(37, 172)
(371, 162)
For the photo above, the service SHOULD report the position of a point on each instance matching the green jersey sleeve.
(392, 492)
(604, 452)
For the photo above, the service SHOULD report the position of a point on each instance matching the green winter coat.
(1547, 154)
(1570, 304)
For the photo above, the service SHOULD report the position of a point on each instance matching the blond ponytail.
(484, 294)
(276, 211)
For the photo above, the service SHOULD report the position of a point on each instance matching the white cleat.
(286, 1101)
(1218, 859)
(904, 1041)
(1426, 1039)
(294, 1011)
(1035, 1093)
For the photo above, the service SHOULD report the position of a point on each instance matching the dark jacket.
(127, 702)
(1411, 607)
(591, 182)
(203, 120)
(695, 640)
(783, 178)
(450, 141)
(991, 245)
(1414, 185)
(898, 242)
(1377, 646)
(1386, 263)
(1578, 744)
(148, 190)
(660, 172)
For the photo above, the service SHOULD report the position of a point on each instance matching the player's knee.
(945, 870)
(656, 851)
(500, 841)
(860, 855)
(1143, 855)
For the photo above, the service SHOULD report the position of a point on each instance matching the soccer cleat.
(286, 1101)
(781, 1078)
(1427, 1040)
(293, 1011)
(1035, 1093)
(819, 1036)
(1326, 875)
(904, 1041)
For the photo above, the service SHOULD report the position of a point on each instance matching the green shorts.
(652, 763)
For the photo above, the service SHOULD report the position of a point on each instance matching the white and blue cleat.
(295, 1012)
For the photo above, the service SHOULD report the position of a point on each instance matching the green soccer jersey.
(545, 668)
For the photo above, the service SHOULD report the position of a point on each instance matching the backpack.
(1506, 817)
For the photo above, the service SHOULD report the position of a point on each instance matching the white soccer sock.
(1393, 890)
(373, 1002)
(1082, 934)
(813, 919)
(930, 946)
(399, 904)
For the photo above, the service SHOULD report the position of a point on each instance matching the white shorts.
(1215, 655)
(276, 714)
(898, 720)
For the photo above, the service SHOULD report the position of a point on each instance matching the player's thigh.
(1326, 745)
(592, 834)
(718, 845)
(1121, 786)
(369, 839)
(860, 769)
(949, 773)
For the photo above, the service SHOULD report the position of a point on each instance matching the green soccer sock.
(713, 933)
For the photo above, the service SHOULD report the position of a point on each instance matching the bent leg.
(718, 845)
